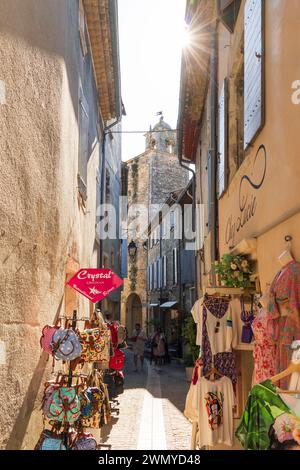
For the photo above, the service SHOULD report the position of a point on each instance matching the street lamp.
(132, 249)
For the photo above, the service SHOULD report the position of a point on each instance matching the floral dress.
(285, 292)
(264, 348)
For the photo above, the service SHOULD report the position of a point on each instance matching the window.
(154, 276)
(222, 168)
(83, 152)
(175, 272)
(229, 10)
(82, 31)
(253, 70)
(172, 219)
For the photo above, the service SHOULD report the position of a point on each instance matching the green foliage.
(234, 270)
(189, 332)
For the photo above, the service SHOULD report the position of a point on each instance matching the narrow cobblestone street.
(151, 410)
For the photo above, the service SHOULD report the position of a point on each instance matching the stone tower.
(152, 176)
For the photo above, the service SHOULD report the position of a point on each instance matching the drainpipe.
(213, 150)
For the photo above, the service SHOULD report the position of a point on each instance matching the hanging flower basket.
(234, 270)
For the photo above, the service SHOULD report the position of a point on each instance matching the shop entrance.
(133, 312)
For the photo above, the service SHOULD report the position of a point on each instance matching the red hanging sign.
(95, 284)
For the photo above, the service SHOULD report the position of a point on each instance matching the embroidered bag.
(46, 338)
(95, 343)
(48, 394)
(66, 345)
(50, 441)
(247, 317)
(65, 405)
(117, 361)
(85, 441)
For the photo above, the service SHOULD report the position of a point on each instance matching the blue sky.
(151, 38)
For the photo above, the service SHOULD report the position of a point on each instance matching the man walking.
(138, 338)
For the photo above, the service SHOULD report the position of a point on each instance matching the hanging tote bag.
(95, 344)
(66, 345)
(117, 361)
(65, 405)
(50, 441)
(47, 337)
(85, 441)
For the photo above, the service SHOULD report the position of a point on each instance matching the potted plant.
(234, 270)
(191, 353)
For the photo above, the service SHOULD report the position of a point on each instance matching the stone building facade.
(151, 177)
(171, 266)
(62, 89)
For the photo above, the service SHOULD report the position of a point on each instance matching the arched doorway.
(133, 312)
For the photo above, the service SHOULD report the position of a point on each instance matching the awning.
(153, 305)
(169, 304)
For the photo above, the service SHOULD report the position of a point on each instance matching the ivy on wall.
(133, 275)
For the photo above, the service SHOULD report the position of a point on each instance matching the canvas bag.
(85, 441)
(117, 361)
(50, 441)
(65, 405)
(46, 338)
(66, 345)
(95, 344)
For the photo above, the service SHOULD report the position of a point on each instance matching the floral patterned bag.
(85, 441)
(65, 405)
(95, 344)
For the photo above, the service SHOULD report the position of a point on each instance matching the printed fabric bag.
(50, 441)
(95, 344)
(85, 441)
(65, 405)
(50, 388)
(117, 361)
(47, 337)
(66, 345)
(92, 402)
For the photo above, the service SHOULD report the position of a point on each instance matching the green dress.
(263, 406)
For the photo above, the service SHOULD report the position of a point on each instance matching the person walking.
(159, 347)
(138, 338)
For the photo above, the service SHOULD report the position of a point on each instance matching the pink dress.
(264, 352)
(285, 290)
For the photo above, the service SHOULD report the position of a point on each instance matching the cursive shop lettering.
(93, 277)
(247, 203)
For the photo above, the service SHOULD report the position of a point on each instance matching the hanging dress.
(264, 352)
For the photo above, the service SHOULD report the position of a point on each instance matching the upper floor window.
(83, 148)
(82, 31)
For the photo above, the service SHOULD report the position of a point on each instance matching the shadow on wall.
(22, 421)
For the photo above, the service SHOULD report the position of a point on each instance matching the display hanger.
(286, 256)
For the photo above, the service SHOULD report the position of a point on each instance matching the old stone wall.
(43, 227)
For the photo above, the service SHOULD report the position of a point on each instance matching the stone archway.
(133, 312)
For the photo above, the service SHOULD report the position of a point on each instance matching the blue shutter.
(253, 69)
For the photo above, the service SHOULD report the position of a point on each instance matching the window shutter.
(253, 69)
(222, 140)
(174, 266)
(164, 271)
(210, 195)
(160, 273)
(82, 28)
(83, 145)
(151, 277)
(154, 276)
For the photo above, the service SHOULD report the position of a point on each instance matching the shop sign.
(247, 200)
(95, 284)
